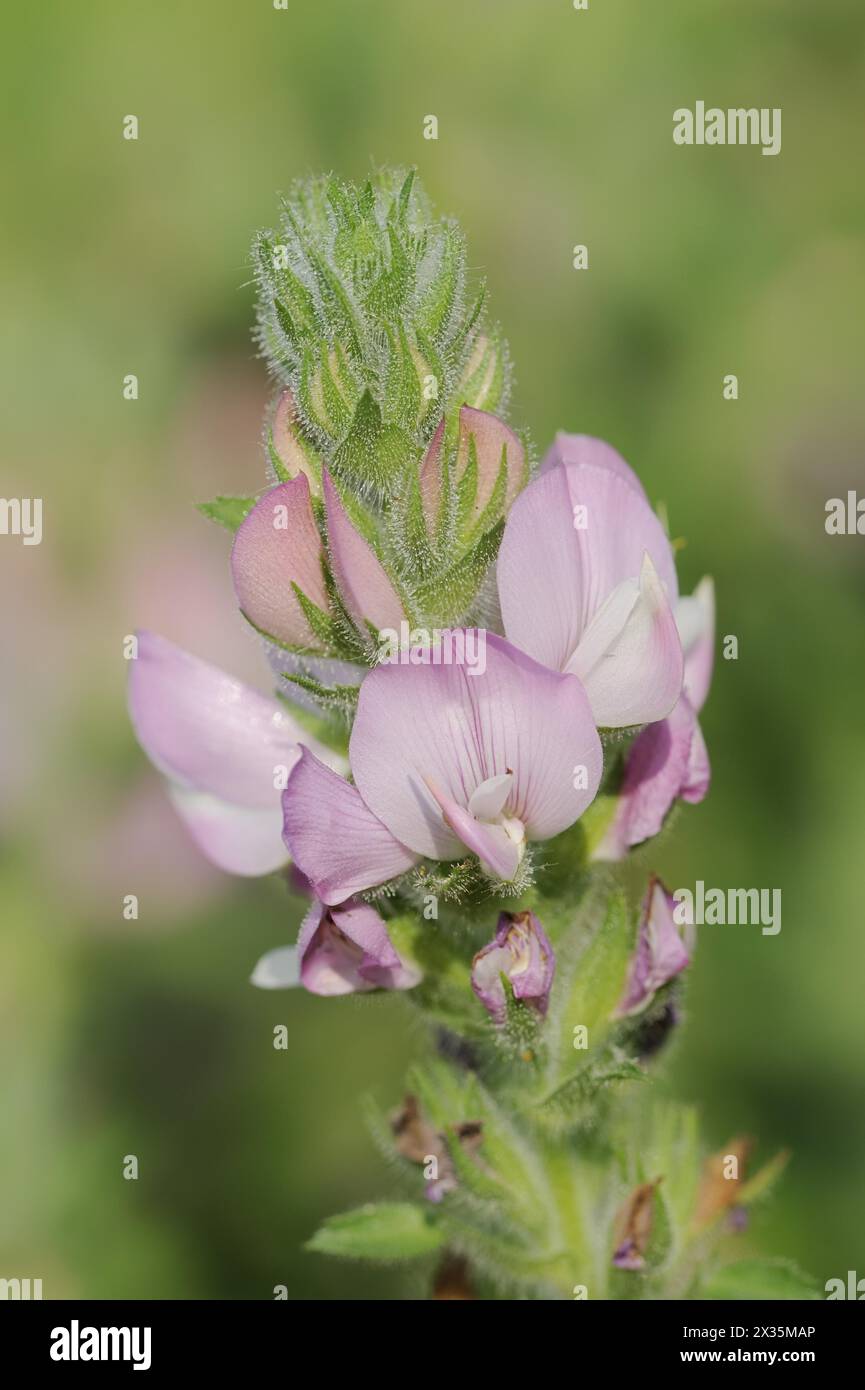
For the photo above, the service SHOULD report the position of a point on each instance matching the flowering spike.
(471, 701)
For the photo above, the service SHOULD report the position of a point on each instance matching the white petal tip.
(279, 969)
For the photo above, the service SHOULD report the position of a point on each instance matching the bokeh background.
(555, 128)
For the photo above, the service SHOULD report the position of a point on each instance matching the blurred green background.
(555, 127)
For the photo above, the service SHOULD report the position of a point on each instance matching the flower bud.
(289, 453)
(469, 476)
(483, 383)
(347, 950)
(521, 952)
(277, 567)
(363, 313)
(660, 953)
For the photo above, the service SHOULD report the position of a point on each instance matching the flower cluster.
(398, 503)
(445, 764)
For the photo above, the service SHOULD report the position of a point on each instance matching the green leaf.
(600, 974)
(281, 472)
(759, 1279)
(322, 623)
(286, 323)
(335, 302)
(308, 394)
(366, 202)
(496, 504)
(407, 529)
(484, 379)
(448, 597)
(464, 337)
(338, 413)
(616, 1069)
(387, 296)
(405, 195)
(597, 820)
(326, 727)
(521, 1030)
(338, 700)
(383, 1231)
(372, 455)
(228, 511)
(442, 296)
(467, 488)
(403, 391)
(589, 985)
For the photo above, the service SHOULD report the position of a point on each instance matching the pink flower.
(669, 759)
(279, 565)
(446, 760)
(521, 951)
(587, 584)
(225, 749)
(660, 955)
(340, 950)
(584, 448)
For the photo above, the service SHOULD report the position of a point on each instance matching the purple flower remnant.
(521, 952)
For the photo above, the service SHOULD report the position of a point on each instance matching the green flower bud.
(364, 315)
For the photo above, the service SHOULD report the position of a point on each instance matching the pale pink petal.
(655, 770)
(277, 969)
(278, 545)
(573, 536)
(403, 975)
(244, 840)
(493, 441)
(284, 434)
(521, 951)
(347, 950)
(584, 448)
(368, 594)
(630, 656)
(330, 962)
(206, 730)
(225, 749)
(334, 838)
(660, 953)
(698, 773)
(458, 727)
(695, 616)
